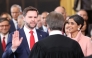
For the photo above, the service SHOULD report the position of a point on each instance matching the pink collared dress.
(85, 43)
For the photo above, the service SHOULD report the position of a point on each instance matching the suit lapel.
(12, 27)
(24, 42)
(13, 24)
(1, 49)
(39, 35)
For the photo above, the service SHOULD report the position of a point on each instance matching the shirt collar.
(6, 36)
(77, 38)
(14, 21)
(55, 32)
(28, 30)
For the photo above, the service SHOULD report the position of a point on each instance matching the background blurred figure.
(90, 31)
(75, 23)
(15, 12)
(84, 15)
(86, 5)
(6, 15)
(39, 23)
(65, 28)
(61, 10)
(40, 26)
(20, 21)
(84, 29)
(43, 18)
(4, 27)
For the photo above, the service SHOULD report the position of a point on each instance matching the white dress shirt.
(26, 30)
(55, 32)
(6, 37)
(15, 23)
(45, 29)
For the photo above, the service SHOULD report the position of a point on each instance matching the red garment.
(3, 44)
(32, 40)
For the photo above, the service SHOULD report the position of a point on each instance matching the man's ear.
(23, 18)
(21, 13)
(48, 28)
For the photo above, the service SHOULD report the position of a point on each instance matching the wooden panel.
(42, 5)
(48, 5)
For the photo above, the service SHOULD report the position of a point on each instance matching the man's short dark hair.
(4, 19)
(30, 8)
(55, 21)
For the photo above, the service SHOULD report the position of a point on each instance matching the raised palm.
(16, 41)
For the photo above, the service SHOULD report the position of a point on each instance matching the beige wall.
(68, 4)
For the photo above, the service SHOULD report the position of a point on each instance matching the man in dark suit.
(56, 45)
(86, 5)
(40, 25)
(20, 42)
(15, 12)
(4, 27)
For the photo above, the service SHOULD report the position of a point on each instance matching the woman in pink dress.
(75, 23)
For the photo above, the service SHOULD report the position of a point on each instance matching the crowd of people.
(28, 34)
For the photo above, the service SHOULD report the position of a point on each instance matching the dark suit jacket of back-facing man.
(19, 41)
(86, 5)
(16, 10)
(4, 33)
(56, 45)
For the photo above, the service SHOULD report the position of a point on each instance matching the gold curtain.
(68, 4)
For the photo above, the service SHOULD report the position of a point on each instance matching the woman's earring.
(78, 28)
